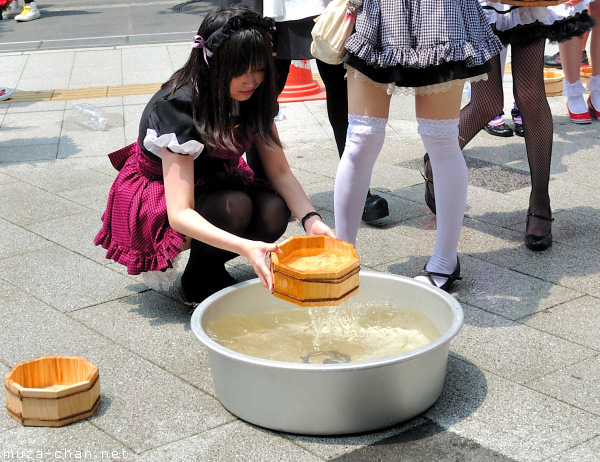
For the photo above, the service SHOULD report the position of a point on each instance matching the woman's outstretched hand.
(256, 253)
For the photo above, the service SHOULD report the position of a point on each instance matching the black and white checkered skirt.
(420, 43)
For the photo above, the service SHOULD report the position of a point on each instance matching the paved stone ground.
(523, 372)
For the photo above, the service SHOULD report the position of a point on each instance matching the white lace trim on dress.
(506, 17)
(155, 143)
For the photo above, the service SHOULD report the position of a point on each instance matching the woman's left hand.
(316, 227)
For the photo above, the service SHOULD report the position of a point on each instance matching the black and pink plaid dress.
(135, 230)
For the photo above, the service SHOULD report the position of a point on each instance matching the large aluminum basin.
(331, 399)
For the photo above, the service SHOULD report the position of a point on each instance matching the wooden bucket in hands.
(315, 271)
(52, 391)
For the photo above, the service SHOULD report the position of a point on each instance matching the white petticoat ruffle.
(392, 89)
(163, 280)
(506, 17)
(155, 143)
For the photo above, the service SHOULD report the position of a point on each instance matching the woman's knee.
(271, 216)
(230, 210)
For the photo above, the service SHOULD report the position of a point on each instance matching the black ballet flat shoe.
(502, 130)
(450, 278)
(517, 121)
(194, 298)
(428, 177)
(376, 207)
(535, 242)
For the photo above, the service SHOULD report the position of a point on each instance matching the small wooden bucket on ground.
(52, 391)
(315, 271)
(585, 74)
(553, 83)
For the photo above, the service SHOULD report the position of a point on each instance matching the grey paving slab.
(32, 154)
(575, 320)
(77, 441)
(585, 452)
(151, 325)
(201, 378)
(522, 372)
(566, 266)
(23, 204)
(59, 177)
(75, 233)
(6, 421)
(46, 126)
(332, 447)
(144, 407)
(507, 418)
(65, 280)
(235, 441)
(513, 351)
(427, 441)
(510, 294)
(15, 240)
(39, 330)
(575, 385)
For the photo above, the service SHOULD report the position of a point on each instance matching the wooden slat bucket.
(52, 391)
(315, 271)
(553, 83)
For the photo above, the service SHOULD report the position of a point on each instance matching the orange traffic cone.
(300, 85)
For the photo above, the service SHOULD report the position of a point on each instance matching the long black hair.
(236, 39)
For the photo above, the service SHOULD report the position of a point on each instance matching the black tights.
(333, 76)
(259, 215)
(487, 101)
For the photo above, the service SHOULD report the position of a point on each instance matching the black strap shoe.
(376, 207)
(518, 121)
(501, 129)
(535, 242)
(450, 278)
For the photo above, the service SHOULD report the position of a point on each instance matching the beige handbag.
(332, 29)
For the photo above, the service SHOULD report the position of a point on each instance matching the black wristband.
(307, 216)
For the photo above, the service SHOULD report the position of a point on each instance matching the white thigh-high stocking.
(364, 141)
(440, 138)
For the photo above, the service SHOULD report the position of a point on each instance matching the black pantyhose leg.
(530, 96)
(487, 101)
(333, 76)
(263, 216)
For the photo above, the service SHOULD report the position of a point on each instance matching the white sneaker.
(28, 13)
(11, 9)
(5, 93)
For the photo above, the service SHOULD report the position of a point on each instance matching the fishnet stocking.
(487, 101)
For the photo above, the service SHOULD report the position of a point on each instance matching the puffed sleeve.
(171, 126)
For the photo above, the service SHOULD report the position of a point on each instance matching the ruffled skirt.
(421, 43)
(135, 227)
(525, 25)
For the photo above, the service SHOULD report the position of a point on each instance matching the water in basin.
(324, 335)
